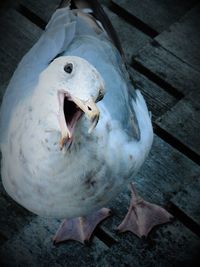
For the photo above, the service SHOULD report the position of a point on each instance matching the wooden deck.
(162, 43)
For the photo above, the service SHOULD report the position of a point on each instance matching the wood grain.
(158, 100)
(131, 38)
(17, 35)
(183, 38)
(183, 122)
(188, 200)
(158, 14)
(168, 67)
(43, 8)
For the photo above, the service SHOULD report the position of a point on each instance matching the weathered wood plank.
(158, 14)
(158, 100)
(188, 200)
(131, 39)
(32, 246)
(171, 245)
(174, 245)
(168, 67)
(183, 121)
(17, 35)
(183, 38)
(43, 8)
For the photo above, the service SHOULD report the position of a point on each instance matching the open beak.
(70, 111)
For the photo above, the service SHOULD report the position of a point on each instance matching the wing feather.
(99, 15)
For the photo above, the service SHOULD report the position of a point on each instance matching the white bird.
(73, 129)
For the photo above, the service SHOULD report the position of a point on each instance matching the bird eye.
(100, 96)
(68, 68)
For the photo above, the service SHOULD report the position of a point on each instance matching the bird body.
(91, 167)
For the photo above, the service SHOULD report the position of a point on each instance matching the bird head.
(79, 88)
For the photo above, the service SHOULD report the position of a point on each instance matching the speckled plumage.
(75, 181)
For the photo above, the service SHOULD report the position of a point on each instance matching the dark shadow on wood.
(156, 79)
(184, 218)
(3, 237)
(31, 16)
(174, 142)
(137, 23)
(104, 237)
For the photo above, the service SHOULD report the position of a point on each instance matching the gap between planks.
(184, 218)
(106, 238)
(31, 16)
(174, 142)
(137, 23)
(156, 79)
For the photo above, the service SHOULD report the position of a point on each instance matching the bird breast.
(54, 183)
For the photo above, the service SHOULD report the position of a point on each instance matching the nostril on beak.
(89, 108)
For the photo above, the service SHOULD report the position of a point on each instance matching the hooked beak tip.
(91, 111)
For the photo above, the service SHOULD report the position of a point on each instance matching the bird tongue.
(69, 114)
